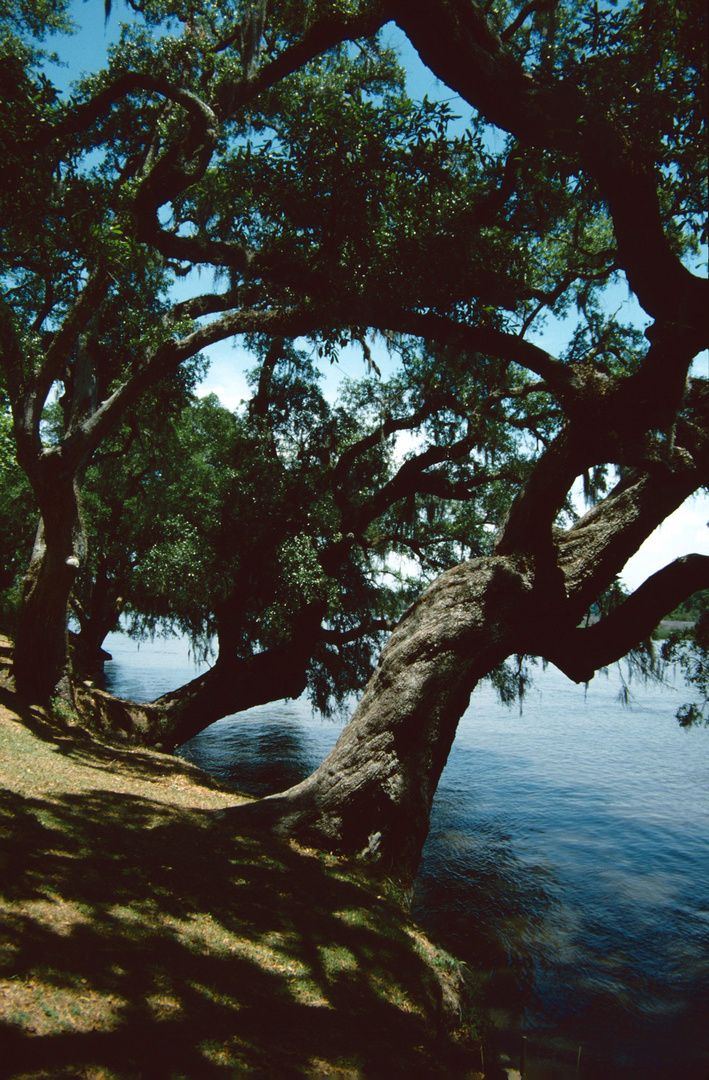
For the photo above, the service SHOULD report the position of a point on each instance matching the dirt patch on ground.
(141, 938)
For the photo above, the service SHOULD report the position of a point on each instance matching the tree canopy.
(264, 175)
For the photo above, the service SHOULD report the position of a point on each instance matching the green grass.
(140, 937)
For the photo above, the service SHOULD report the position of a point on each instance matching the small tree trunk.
(372, 795)
(41, 646)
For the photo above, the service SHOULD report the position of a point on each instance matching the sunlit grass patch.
(187, 947)
(42, 1008)
(394, 992)
(165, 1006)
(336, 959)
(57, 914)
(358, 917)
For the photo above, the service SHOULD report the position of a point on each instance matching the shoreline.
(140, 934)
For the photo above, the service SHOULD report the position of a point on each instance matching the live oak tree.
(87, 306)
(106, 360)
(221, 527)
(268, 532)
(277, 149)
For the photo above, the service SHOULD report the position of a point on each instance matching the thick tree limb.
(11, 352)
(561, 378)
(390, 426)
(441, 486)
(455, 40)
(344, 637)
(170, 354)
(581, 652)
(524, 13)
(207, 304)
(80, 117)
(594, 551)
(405, 482)
(65, 339)
(235, 683)
(259, 404)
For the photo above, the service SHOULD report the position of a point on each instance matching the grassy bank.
(141, 938)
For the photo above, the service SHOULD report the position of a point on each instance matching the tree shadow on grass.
(71, 740)
(141, 940)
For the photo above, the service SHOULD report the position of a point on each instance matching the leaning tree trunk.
(372, 795)
(41, 655)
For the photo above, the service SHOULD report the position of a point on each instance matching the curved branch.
(29, 392)
(594, 551)
(455, 40)
(581, 652)
(321, 36)
(439, 485)
(197, 306)
(612, 429)
(389, 427)
(83, 116)
(560, 378)
(170, 354)
(192, 249)
(522, 16)
(528, 526)
(404, 482)
(64, 340)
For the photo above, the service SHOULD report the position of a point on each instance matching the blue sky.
(685, 531)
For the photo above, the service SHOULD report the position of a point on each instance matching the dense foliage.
(264, 174)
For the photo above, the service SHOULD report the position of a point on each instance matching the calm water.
(568, 855)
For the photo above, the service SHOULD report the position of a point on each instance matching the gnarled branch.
(581, 652)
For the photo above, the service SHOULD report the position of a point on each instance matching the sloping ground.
(140, 938)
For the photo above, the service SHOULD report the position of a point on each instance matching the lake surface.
(568, 857)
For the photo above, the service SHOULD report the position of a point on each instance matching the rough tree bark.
(41, 648)
(371, 797)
